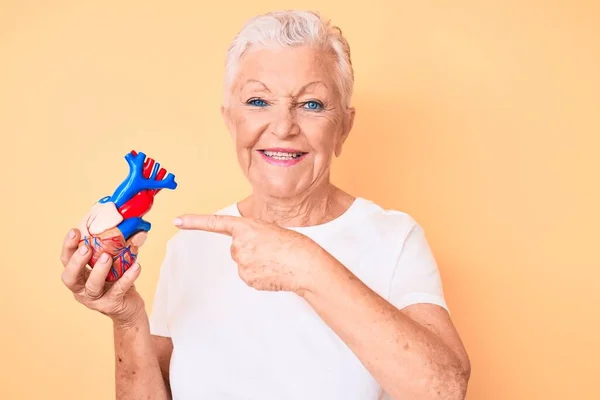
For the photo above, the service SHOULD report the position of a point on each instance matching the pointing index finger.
(224, 224)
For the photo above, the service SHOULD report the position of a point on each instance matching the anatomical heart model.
(114, 225)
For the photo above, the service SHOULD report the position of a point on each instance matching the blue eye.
(313, 105)
(257, 102)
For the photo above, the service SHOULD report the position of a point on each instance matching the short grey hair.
(291, 28)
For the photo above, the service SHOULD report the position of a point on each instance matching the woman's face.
(287, 120)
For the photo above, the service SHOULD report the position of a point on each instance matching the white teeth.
(278, 155)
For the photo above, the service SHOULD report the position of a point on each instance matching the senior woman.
(300, 290)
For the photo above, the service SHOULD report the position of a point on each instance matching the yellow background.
(481, 119)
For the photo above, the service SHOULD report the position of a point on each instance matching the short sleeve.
(159, 316)
(416, 278)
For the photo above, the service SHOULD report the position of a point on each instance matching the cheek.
(248, 130)
(321, 135)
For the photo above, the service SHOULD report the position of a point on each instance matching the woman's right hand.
(118, 300)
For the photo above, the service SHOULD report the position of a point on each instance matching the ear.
(226, 116)
(346, 128)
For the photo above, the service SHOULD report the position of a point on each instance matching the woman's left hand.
(269, 257)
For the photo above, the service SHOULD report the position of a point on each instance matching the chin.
(278, 189)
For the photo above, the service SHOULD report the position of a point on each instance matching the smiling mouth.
(283, 155)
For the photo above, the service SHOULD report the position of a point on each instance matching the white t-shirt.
(233, 342)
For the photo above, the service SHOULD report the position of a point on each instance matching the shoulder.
(389, 225)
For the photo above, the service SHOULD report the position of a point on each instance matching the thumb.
(123, 284)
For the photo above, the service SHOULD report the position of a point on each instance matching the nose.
(285, 124)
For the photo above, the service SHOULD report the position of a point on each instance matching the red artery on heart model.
(142, 201)
(114, 225)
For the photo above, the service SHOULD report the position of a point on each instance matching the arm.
(163, 346)
(415, 353)
(137, 370)
(140, 361)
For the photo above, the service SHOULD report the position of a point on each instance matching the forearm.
(138, 374)
(405, 358)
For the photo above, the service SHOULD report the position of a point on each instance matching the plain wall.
(480, 119)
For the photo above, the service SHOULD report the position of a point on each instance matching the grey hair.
(293, 28)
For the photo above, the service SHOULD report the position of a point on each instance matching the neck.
(317, 207)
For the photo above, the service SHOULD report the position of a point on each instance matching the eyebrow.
(313, 83)
(302, 89)
(249, 81)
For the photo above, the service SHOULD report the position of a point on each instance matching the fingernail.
(103, 258)
(71, 234)
(177, 221)
(83, 250)
(135, 267)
